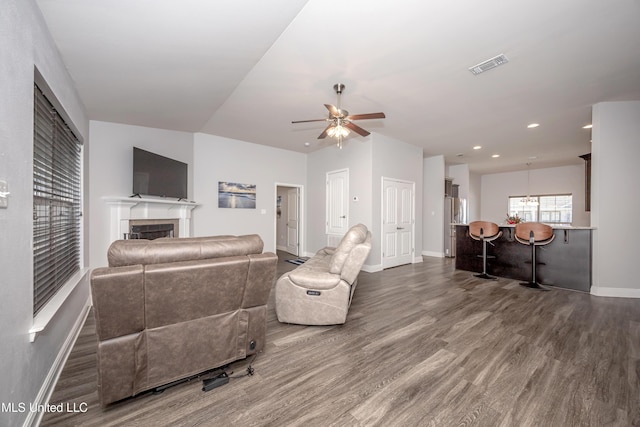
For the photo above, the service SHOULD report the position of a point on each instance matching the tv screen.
(156, 175)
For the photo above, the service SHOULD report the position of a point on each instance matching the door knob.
(343, 216)
(399, 228)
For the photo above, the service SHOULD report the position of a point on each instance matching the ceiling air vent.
(489, 64)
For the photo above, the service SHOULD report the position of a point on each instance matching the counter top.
(555, 227)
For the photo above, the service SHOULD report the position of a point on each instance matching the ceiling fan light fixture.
(340, 122)
(338, 131)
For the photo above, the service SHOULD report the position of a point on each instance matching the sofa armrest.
(327, 250)
(314, 279)
(118, 300)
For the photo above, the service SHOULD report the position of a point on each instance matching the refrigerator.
(455, 212)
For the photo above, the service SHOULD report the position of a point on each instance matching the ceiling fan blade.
(357, 129)
(332, 110)
(324, 132)
(307, 121)
(366, 116)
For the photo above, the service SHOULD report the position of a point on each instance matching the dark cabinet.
(564, 263)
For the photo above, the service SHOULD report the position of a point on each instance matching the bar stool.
(486, 232)
(534, 234)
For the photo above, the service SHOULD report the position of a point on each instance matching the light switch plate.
(4, 194)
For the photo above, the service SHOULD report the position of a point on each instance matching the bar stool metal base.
(485, 276)
(534, 285)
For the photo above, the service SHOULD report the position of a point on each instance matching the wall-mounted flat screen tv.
(156, 175)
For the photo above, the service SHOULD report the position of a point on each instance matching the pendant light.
(529, 201)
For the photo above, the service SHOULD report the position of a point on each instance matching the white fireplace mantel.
(124, 209)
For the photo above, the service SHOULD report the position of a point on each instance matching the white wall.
(397, 160)
(615, 202)
(26, 368)
(496, 189)
(223, 159)
(111, 170)
(474, 197)
(433, 207)
(356, 155)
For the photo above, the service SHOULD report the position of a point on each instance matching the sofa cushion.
(356, 235)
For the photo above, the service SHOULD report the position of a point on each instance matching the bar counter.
(563, 263)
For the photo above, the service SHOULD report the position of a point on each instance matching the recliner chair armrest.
(314, 279)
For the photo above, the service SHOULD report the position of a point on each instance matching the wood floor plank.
(424, 345)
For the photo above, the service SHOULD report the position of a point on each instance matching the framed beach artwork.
(236, 196)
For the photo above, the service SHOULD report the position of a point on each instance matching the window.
(57, 154)
(554, 209)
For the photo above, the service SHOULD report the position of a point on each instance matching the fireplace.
(152, 228)
(126, 212)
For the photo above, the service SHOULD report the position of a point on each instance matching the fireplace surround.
(127, 211)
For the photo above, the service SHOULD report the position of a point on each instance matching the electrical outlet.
(4, 194)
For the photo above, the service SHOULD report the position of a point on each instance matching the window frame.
(534, 213)
(63, 193)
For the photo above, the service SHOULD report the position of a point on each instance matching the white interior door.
(337, 204)
(397, 222)
(293, 221)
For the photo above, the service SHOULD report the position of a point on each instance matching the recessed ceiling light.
(477, 147)
(306, 144)
(495, 156)
(533, 125)
(589, 126)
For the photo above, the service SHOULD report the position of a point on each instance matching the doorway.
(398, 201)
(288, 219)
(337, 206)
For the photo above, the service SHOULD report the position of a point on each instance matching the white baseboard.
(615, 292)
(372, 268)
(433, 254)
(281, 248)
(35, 417)
(417, 260)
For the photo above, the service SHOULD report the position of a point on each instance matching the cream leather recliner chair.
(319, 292)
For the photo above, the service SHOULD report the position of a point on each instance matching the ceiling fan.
(340, 121)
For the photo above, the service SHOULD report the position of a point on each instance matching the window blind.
(56, 201)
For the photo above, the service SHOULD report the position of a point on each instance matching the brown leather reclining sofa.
(168, 309)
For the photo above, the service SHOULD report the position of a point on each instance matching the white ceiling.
(245, 69)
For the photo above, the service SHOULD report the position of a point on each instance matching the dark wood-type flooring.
(424, 345)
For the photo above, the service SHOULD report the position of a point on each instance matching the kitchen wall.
(496, 189)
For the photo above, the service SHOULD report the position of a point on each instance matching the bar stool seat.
(534, 234)
(486, 232)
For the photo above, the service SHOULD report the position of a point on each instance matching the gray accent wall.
(27, 368)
